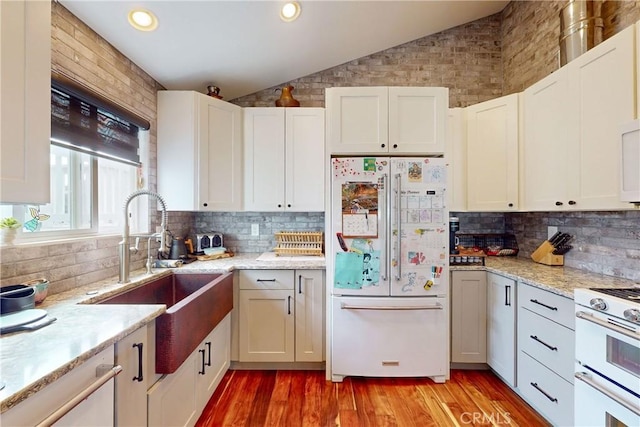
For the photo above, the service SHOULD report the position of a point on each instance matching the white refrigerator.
(387, 267)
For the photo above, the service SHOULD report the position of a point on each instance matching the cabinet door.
(501, 335)
(217, 353)
(309, 328)
(264, 162)
(601, 109)
(172, 400)
(305, 159)
(456, 155)
(417, 120)
(548, 126)
(357, 120)
(131, 383)
(492, 155)
(469, 317)
(220, 168)
(25, 101)
(267, 326)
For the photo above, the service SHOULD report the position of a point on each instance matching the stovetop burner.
(630, 294)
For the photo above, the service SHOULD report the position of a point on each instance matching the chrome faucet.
(124, 250)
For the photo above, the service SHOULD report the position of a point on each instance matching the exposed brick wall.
(530, 37)
(466, 59)
(80, 53)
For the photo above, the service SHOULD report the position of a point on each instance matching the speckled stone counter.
(32, 359)
(557, 279)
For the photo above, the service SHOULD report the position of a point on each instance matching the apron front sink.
(196, 303)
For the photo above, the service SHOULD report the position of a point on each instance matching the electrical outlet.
(255, 230)
(551, 230)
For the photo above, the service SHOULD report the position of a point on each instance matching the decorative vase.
(7, 236)
(286, 99)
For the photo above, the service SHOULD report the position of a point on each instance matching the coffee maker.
(454, 225)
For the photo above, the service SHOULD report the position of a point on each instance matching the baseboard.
(301, 366)
(473, 366)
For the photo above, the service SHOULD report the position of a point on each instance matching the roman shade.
(85, 121)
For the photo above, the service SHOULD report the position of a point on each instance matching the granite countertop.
(557, 279)
(30, 360)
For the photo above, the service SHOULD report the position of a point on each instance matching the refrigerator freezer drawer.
(390, 337)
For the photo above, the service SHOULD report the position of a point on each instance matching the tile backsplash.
(236, 227)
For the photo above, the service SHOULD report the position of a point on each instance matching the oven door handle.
(591, 318)
(584, 377)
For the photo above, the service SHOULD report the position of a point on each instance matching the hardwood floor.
(305, 398)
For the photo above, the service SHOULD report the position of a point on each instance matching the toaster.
(212, 239)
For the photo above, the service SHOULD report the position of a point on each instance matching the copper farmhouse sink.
(196, 303)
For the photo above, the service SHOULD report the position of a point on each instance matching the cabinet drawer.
(548, 342)
(266, 279)
(549, 394)
(547, 304)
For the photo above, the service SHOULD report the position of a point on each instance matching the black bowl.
(24, 299)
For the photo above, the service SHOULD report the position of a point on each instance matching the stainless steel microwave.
(630, 162)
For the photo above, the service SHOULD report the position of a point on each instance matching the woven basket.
(299, 243)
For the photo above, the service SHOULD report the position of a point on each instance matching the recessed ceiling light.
(290, 11)
(143, 20)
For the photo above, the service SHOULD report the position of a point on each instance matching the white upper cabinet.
(545, 153)
(386, 120)
(492, 154)
(284, 159)
(571, 146)
(199, 152)
(25, 101)
(456, 155)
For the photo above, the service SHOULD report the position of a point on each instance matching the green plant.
(9, 222)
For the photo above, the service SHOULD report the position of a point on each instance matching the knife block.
(544, 255)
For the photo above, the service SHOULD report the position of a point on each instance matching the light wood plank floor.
(305, 398)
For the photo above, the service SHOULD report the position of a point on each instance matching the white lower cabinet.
(546, 352)
(178, 399)
(469, 317)
(131, 385)
(281, 316)
(95, 410)
(501, 326)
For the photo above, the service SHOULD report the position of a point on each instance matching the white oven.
(607, 377)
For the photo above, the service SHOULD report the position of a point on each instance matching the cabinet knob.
(289, 205)
(558, 203)
(572, 202)
(279, 205)
(395, 145)
(510, 205)
(382, 145)
(205, 204)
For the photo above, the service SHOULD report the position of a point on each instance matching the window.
(96, 157)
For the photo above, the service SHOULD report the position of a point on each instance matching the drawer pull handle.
(535, 338)
(300, 283)
(436, 306)
(265, 280)
(535, 301)
(208, 344)
(507, 295)
(139, 376)
(547, 395)
(289, 304)
(390, 363)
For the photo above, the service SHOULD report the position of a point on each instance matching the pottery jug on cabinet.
(286, 99)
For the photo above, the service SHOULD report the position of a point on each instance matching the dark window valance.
(85, 121)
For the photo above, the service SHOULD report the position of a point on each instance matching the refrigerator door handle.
(398, 243)
(435, 306)
(385, 226)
